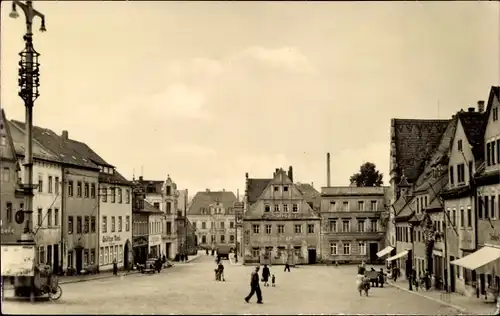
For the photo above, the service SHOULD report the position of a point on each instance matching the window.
(120, 195)
(222, 239)
(49, 217)
(493, 160)
(113, 196)
(119, 223)
(203, 225)
(486, 207)
(92, 256)
(452, 176)
(101, 253)
(298, 229)
(255, 252)
(459, 145)
(86, 226)
(345, 206)
(56, 185)
(221, 225)
(39, 221)
(333, 248)
(333, 226)
(461, 173)
(373, 224)
(281, 229)
(203, 239)
(70, 188)
(362, 248)
(106, 254)
(347, 249)
(276, 207)
(295, 208)
(361, 205)
(104, 224)
(276, 188)
(78, 189)
(425, 201)
(268, 229)
(156, 205)
(127, 223)
(332, 206)
(469, 217)
(310, 228)
(495, 114)
(212, 238)
(92, 190)
(41, 254)
(127, 196)
(231, 224)
(493, 213)
(78, 224)
(70, 225)
(169, 190)
(346, 227)
(256, 229)
(104, 193)
(86, 190)
(9, 212)
(92, 224)
(40, 183)
(361, 226)
(3, 140)
(285, 207)
(50, 184)
(231, 238)
(5, 174)
(373, 205)
(267, 208)
(169, 228)
(454, 217)
(285, 188)
(168, 207)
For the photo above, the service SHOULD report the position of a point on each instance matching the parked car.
(148, 266)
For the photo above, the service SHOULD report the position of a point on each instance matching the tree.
(368, 176)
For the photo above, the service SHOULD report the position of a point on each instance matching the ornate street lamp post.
(29, 74)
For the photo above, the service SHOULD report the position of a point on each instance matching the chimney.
(246, 175)
(223, 190)
(480, 106)
(65, 135)
(141, 178)
(290, 173)
(471, 109)
(328, 169)
(208, 190)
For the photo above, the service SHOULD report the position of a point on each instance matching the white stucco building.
(155, 249)
(115, 210)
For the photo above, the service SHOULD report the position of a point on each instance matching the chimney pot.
(328, 176)
(141, 178)
(471, 109)
(290, 173)
(246, 175)
(65, 135)
(480, 106)
(276, 170)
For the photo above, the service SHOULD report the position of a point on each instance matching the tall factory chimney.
(328, 169)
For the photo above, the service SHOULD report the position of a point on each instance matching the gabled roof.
(65, 150)
(406, 210)
(494, 93)
(205, 199)
(255, 187)
(149, 208)
(415, 140)
(308, 191)
(473, 124)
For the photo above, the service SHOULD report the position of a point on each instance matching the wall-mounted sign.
(7, 231)
(139, 241)
(282, 216)
(154, 239)
(110, 238)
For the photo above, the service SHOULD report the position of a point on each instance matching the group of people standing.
(364, 279)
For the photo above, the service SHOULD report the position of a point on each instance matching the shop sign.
(106, 239)
(154, 239)
(7, 231)
(282, 216)
(139, 241)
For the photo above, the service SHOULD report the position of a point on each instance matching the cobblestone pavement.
(191, 289)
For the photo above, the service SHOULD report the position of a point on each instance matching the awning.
(397, 256)
(478, 258)
(384, 251)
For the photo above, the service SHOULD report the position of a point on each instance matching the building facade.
(155, 221)
(170, 205)
(279, 226)
(11, 196)
(351, 228)
(212, 216)
(140, 224)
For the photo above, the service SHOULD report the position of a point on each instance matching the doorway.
(78, 264)
(167, 250)
(49, 255)
(311, 254)
(56, 259)
(452, 275)
(125, 255)
(373, 252)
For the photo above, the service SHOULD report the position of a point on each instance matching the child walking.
(273, 281)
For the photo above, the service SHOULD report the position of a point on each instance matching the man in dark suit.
(255, 287)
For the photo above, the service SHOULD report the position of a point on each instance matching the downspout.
(63, 215)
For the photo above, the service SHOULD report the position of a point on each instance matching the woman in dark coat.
(265, 275)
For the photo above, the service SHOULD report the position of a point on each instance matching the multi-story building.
(140, 223)
(155, 221)
(211, 214)
(351, 227)
(47, 199)
(80, 211)
(11, 196)
(279, 226)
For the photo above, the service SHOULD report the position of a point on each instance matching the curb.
(457, 307)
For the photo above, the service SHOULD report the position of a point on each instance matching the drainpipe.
(63, 215)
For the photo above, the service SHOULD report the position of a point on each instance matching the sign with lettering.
(154, 239)
(139, 241)
(114, 238)
(282, 216)
(7, 231)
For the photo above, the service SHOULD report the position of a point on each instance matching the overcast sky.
(208, 91)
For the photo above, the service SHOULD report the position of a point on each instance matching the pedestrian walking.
(381, 277)
(273, 280)
(255, 287)
(115, 267)
(221, 272)
(265, 275)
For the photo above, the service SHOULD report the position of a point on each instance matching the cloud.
(177, 100)
(288, 58)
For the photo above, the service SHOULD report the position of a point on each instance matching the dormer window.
(459, 145)
(285, 188)
(276, 188)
